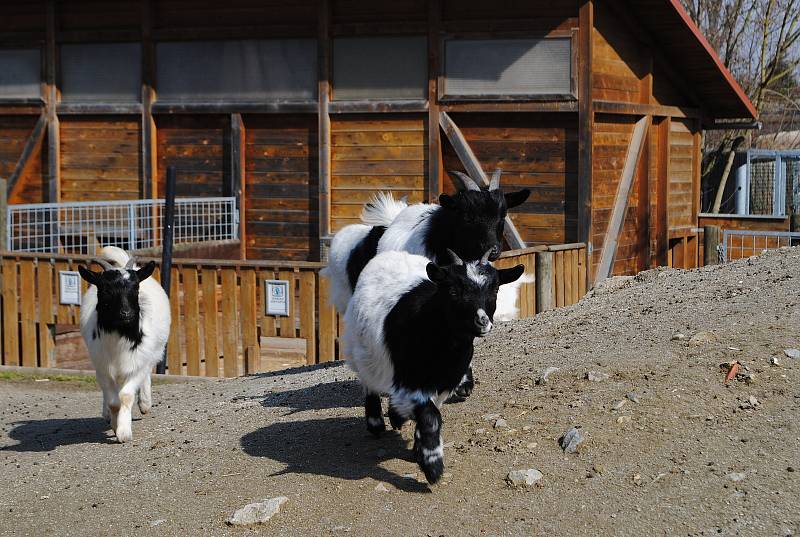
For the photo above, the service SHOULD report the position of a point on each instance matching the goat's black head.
(478, 217)
(470, 291)
(117, 294)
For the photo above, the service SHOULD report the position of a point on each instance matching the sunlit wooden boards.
(14, 134)
(197, 146)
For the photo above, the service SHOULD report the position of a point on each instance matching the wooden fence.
(238, 337)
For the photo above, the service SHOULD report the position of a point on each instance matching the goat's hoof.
(433, 470)
(396, 420)
(144, 408)
(376, 426)
(124, 435)
(465, 390)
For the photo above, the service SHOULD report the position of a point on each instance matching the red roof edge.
(714, 56)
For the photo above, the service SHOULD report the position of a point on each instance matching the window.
(244, 70)
(380, 68)
(20, 73)
(491, 68)
(101, 72)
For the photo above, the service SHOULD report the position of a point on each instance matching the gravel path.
(691, 457)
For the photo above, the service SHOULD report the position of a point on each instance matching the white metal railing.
(741, 243)
(85, 227)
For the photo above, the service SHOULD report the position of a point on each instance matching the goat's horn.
(131, 262)
(103, 263)
(495, 182)
(485, 258)
(454, 256)
(466, 181)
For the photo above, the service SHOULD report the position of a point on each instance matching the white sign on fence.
(277, 299)
(70, 286)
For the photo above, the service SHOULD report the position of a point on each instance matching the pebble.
(157, 522)
(490, 417)
(480, 431)
(736, 477)
(571, 439)
(678, 337)
(596, 376)
(532, 445)
(774, 361)
(500, 424)
(381, 487)
(618, 405)
(751, 402)
(546, 375)
(703, 338)
(792, 353)
(257, 513)
(633, 396)
(624, 419)
(526, 478)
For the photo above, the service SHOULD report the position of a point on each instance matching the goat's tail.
(117, 257)
(382, 209)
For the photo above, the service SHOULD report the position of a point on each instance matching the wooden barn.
(303, 109)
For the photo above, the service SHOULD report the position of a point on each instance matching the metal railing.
(85, 227)
(742, 243)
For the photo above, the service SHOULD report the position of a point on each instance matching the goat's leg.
(145, 395)
(396, 418)
(374, 413)
(127, 396)
(464, 389)
(428, 448)
(105, 386)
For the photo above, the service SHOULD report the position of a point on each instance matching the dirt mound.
(668, 447)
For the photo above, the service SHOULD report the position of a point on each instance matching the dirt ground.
(692, 457)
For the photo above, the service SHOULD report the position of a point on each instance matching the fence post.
(3, 215)
(711, 236)
(166, 248)
(132, 226)
(544, 281)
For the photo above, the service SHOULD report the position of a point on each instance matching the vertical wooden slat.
(47, 344)
(249, 321)
(567, 277)
(268, 323)
(583, 261)
(327, 323)
(174, 360)
(10, 313)
(63, 313)
(230, 325)
(149, 137)
(27, 298)
(51, 100)
(307, 308)
(191, 310)
(210, 349)
(585, 120)
(559, 277)
(339, 335)
(324, 120)
(44, 284)
(434, 141)
(287, 324)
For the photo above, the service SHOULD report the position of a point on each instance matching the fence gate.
(742, 243)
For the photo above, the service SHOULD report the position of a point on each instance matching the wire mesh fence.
(740, 244)
(85, 227)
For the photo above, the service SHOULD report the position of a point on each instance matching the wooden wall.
(14, 133)
(281, 203)
(618, 63)
(375, 153)
(197, 146)
(681, 176)
(100, 158)
(535, 151)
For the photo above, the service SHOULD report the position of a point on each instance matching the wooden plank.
(475, 171)
(149, 138)
(434, 185)
(24, 161)
(236, 179)
(63, 312)
(27, 299)
(545, 295)
(324, 120)
(568, 277)
(230, 325)
(582, 272)
(559, 277)
(47, 344)
(621, 201)
(287, 323)
(268, 324)
(307, 310)
(250, 320)
(51, 99)
(10, 313)
(174, 359)
(585, 121)
(327, 323)
(44, 284)
(191, 311)
(210, 348)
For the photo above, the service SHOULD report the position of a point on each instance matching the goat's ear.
(517, 198)
(88, 275)
(436, 273)
(146, 271)
(509, 275)
(445, 200)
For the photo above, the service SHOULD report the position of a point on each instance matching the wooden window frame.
(27, 101)
(559, 34)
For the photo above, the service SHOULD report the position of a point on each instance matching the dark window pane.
(101, 72)
(20, 73)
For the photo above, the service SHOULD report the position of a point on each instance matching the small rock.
(532, 445)
(381, 487)
(677, 336)
(703, 338)
(596, 376)
(751, 403)
(480, 431)
(157, 522)
(257, 513)
(792, 353)
(790, 469)
(774, 361)
(597, 469)
(633, 396)
(527, 478)
(526, 428)
(571, 439)
(490, 417)
(618, 405)
(624, 419)
(637, 479)
(546, 375)
(500, 424)
(736, 477)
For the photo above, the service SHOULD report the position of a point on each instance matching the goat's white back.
(409, 230)
(342, 246)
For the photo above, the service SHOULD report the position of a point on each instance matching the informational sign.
(277, 299)
(70, 286)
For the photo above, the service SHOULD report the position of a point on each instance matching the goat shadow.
(47, 435)
(334, 447)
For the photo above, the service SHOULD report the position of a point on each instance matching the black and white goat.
(125, 320)
(409, 333)
(469, 223)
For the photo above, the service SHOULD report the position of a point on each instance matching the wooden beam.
(276, 107)
(149, 136)
(324, 123)
(475, 171)
(51, 99)
(25, 158)
(236, 181)
(642, 109)
(98, 108)
(434, 140)
(621, 201)
(585, 126)
(511, 106)
(662, 222)
(371, 107)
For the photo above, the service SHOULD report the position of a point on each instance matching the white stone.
(257, 513)
(526, 478)
(736, 477)
(792, 353)
(596, 376)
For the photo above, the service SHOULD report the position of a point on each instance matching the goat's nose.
(495, 253)
(482, 322)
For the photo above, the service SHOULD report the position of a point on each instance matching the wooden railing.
(238, 337)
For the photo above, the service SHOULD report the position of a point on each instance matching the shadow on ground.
(46, 435)
(337, 394)
(335, 447)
